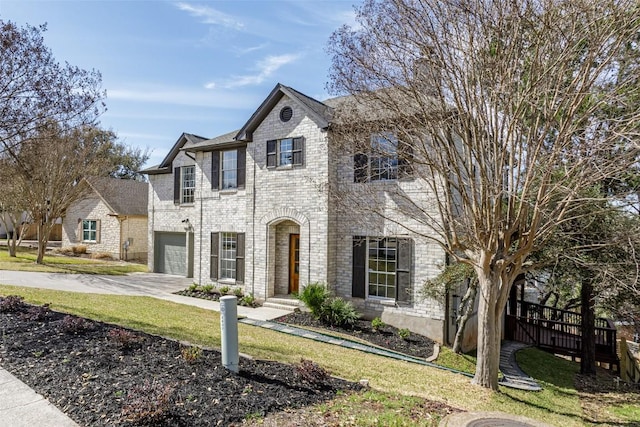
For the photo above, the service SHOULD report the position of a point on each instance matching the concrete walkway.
(21, 406)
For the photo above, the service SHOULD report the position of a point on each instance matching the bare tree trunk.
(43, 239)
(489, 331)
(588, 351)
(467, 303)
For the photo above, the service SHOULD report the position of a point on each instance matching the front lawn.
(558, 404)
(25, 260)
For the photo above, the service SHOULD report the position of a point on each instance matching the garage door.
(170, 253)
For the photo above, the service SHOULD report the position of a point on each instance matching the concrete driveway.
(149, 284)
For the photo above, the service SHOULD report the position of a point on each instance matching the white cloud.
(211, 16)
(265, 68)
(250, 49)
(210, 85)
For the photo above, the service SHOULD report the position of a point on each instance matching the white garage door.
(170, 253)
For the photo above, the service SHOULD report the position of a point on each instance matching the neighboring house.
(112, 218)
(250, 209)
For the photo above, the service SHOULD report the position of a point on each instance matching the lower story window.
(89, 230)
(228, 252)
(382, 258)
(382, 268)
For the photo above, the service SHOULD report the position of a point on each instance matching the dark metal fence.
(558, 331)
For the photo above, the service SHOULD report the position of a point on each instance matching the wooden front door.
(294, 262)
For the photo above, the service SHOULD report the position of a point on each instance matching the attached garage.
(170, 253)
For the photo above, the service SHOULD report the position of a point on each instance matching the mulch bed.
(103, 375)
(385, 336)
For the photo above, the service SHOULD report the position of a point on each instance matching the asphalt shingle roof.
(122, 196)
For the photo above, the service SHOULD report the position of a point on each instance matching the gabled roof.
(165, 166)
(226, 140)
(122, 196)
(318, 111)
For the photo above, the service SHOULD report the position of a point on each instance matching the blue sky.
(185, 66)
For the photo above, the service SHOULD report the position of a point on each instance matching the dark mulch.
(101, 375)
(385, 336)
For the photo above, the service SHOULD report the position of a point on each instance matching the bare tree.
(35, 89)
(13, 209)
(499, 108)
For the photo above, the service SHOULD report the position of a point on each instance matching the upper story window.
(384, 161)
(228, 169)
(285, 152)
(188, 189)
(184, 185)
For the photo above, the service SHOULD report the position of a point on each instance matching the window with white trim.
(382, 257)
(227, 256)
(229, 169)
(188, 184)
(382, 268)
(285, 152)
(386, 160)
(89, 230)
(228, 250)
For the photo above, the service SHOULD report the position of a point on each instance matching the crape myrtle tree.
(496, 107)
(49, 134)
(35, 88)
(51, 165)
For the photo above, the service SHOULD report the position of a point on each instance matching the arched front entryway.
(284, 264)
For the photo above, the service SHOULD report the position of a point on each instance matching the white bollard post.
(229, 332)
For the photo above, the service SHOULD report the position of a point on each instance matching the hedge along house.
(112, 218)
(252, 209)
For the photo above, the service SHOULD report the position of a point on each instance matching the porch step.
(289, 304)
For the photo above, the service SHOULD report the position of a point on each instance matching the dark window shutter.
(215, 238)
(176, 186)
(215, 170)
(271, 153)
(240, 258)
(360, 168)
(242, 166)
(403, 270)
(359, 266)
(298, 151)
(405, 160)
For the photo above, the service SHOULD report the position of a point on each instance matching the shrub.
(191, 353)
(238, 292)
(311, 373)
(315, 296)
(193, 287)
(224, 290)
(248, 301)
(338, 312)
(149, 404)
(123, 338)
(37, 314)
(79, 249)
(207, 288)
(12, 303)
(73, 325)
(377, 323)
(404, 333)
(101, 255)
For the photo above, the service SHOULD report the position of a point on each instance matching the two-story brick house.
(252, 209)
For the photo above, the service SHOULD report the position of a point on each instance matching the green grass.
(395, 384)
(25, 260)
